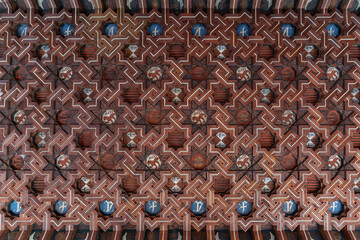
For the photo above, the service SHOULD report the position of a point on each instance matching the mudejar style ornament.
(199, 74)
(244, 208)
(176, 95)
(313, 140)
(153, 162)
(288, 118)
(63, 161)
(267, 140)
(15, 208)
(312, 184)
(110, 73)
(333, 29)
(154, 73)
(84, 185)
(63, 117)
(334, 162)
(88, 51)
(155, 29)
(86, 139)
(267, 185)
(66, 29)
(43, 51)
(221, 95)
(22, 29)
(221, 184)
(131, 50)
(334, 117)
(198, 161)
(221, 51)
(130, 139)
(65, 73)
(266, 51)
(41, 94)
(336, 207)
(243, 162)
(110, 29)
(199, 117)
(199, 30)
(243, 118)
(333, 73)
(38, 185)
(290, 207)
(154, 117)
(267, 95)
(243, 74)
(17, 161)
(311, 95)
(288, 162)
(152, 207)
(177, 50)
(18, 117)
(85, 95)
(288, 30)
(221, 140)
(287, 74)
(198, 207)
(61, 207)
(355, 95)
(108, 161)
(175, 184)
(311, 51)
(20, 73)
(107, 207)
(356, 185)
(109, 117)
(243, 30)
(130, 184)
(39, 139)
(132, 95)
(176, 139)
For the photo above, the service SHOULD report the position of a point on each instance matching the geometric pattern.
(86, 121)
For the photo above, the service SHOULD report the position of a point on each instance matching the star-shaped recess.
(221, 94)
(290, 163)
(289, 72)
(199, 72)
(244, 163)
(55, 69)
(345, 163)
(152, 162)
(109, 72)
(199, 162)
(154, 64)
(199, 117)
(343, 69)
(13, 162)
(61, 117)
(251, 65)
(108, 117)
(107, 163)
(18, 73)
(337, 117)
(9, 118)
(60, 162)
(244, 117)
(152, 117)
(290, 117)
